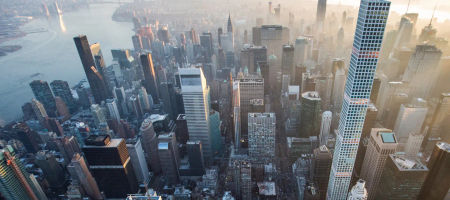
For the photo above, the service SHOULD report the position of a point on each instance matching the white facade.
(338, 89)
(358, 191)
(412, 147)
(196, 100)
(410, 119)
(137, 158)
(369, 32)
(325, 127)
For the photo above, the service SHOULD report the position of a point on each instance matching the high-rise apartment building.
(110, 165)
(93, 75)
(196, 100)
(437, 184)
(369, 33)
(43, 94)
(402, 178)
(261, 135)
(382, 142)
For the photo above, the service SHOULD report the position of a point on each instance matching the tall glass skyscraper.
(369, 32)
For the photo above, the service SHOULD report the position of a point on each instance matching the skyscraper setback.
(372, 20)
(93, 75)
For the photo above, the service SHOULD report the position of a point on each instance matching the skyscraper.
(53, 171)
(168, 156)
(149, 76)
(137, 158)
(251, 56)
(80, 173)
(43, 94)
(423, 65)
(39, 111)
(195, 156)
(93, 75)
(437, 182)
(113, 109)
(382, 142)
(310, 114)
(325, 128)
(150, 145)
(261, 135)
(15, 182)
(410, 119)
(372, 19)
(110, 165)
(196, 100)
(338, 85)
(402, 178)
(321, 166)
(287, 60)
(320, 15)
(61, 89)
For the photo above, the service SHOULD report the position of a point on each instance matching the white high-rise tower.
(196, 100)
(369, 32)
(325, 128)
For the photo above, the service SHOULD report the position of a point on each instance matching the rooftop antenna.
(407, 8)
(434, 10)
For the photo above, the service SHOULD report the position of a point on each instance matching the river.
(53, 55)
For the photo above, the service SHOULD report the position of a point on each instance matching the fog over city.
(225, 99)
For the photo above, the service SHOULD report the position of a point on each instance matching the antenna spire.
(434, 10)
(407, 8)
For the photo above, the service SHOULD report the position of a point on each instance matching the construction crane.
(10, 161)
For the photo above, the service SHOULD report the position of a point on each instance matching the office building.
(272, 37)
(150, 78)
(195, 156)
(196, 100)
(169, 158)
(93, 75)
(321, 166)
(310, 114)
(28, 137)
(149, 141)
(320, 14)
(402, 177)
(250, 87)
(251, 56)
(68, 146)
(80, 174)
(61, 109)
(43, 94)
(302, 49)
(137, 158)
(15, 182)
(28, 112)
(325, 128)
(382, 142)
(39, 111)
(413, 144)
(113, 109)
(261, 135)
(110, 165)
(53, 171)
(410, 119)
(442, 112)
(61, 89)
(337, 93)
(98, 114)
(357, 94)
(423, 65)
(216, 137)
(287, 60)
(181, 131)
(437, 184)
(358, 191)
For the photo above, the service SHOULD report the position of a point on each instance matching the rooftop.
(387, 137)
(405, 163)
(267, 188)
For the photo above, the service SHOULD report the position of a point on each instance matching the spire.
(229, 26)
(434, 10)
(407, 7)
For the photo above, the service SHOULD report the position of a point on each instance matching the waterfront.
(52, 53)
